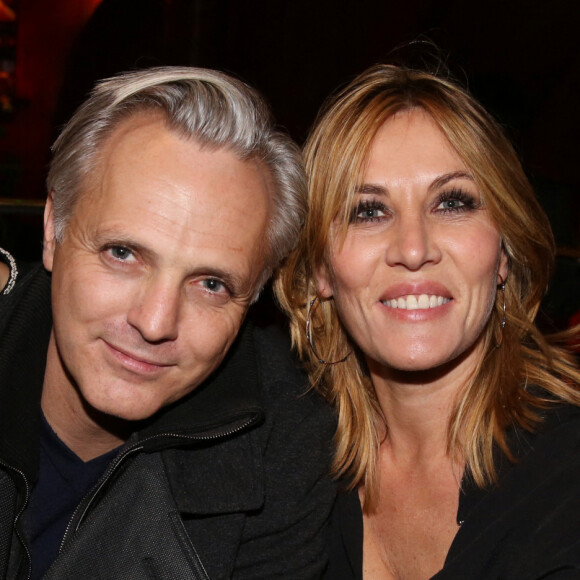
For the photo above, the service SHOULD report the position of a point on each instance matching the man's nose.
(155, 310)
(412, 242)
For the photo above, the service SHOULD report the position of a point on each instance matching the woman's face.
(415, 280)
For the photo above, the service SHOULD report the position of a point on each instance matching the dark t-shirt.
(63, 481)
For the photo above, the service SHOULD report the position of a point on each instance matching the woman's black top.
(525, 527)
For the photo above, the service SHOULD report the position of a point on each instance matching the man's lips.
(136, 359)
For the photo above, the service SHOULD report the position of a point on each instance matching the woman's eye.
(369, 212)
(456, 200)
(451, 204)
(121, 253)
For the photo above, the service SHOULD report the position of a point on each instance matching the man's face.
(156, 270)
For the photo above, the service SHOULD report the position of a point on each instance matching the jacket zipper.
(89, 499)
(17, 517)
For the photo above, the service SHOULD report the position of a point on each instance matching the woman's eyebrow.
(447, 177)
(376, 189)
(371, 189)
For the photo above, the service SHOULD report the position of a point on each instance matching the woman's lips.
(425, 295)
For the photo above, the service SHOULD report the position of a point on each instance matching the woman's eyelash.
(368, 211)
(457, 200)
(451, 201)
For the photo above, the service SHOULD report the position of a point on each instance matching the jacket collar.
(214, 479)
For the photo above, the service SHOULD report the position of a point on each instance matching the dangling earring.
(309, 337)
(503, 322)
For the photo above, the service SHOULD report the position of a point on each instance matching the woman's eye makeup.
(456, 201)
(368, 210)
(452, 201)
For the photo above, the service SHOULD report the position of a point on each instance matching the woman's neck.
(417, 407)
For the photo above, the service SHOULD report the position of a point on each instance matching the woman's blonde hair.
(498, 395)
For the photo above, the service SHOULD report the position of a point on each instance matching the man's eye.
(214, 285)
(121, 253)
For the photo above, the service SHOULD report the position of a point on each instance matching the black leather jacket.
(229, 482)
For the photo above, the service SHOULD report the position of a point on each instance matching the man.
(171, 200)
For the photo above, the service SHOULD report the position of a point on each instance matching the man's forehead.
(155, 189)
(146, 133)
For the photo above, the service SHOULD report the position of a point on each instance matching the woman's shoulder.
(559, 428)
(549, 456)
(528, 521)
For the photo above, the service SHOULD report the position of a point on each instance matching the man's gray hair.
(210, 107)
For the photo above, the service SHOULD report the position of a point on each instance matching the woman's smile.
(414, 302)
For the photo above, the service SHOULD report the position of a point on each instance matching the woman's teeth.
(413, 302)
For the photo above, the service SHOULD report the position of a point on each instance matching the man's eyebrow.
(447, 177)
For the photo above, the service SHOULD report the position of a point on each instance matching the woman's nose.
(412, 242)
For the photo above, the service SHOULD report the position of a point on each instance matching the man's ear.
(49, 245)
(324, 282)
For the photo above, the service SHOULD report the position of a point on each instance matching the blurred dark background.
(521, 58)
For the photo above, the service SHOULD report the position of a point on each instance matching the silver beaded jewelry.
(13, 271)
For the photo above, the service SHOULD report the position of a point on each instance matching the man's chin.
(122, 411)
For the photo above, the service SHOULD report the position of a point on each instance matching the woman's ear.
(323, 282)
(502, 271)
(49, 237)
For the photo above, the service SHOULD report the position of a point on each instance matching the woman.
(412, 298)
